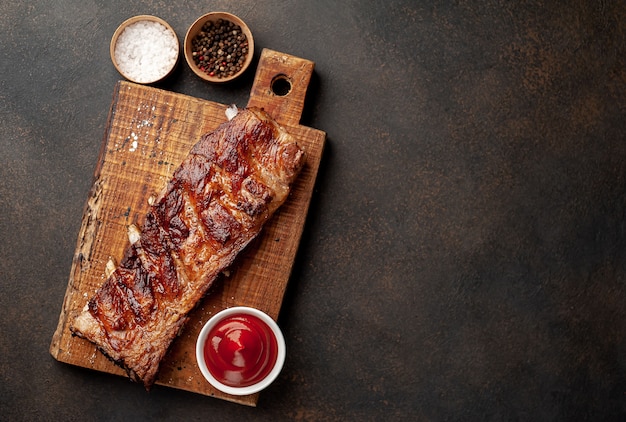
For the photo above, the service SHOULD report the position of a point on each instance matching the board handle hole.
(281, 85)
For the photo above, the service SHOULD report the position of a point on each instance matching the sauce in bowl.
(240, 350)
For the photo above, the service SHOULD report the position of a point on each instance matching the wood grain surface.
(149, 133)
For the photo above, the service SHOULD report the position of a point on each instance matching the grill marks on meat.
(231, 182)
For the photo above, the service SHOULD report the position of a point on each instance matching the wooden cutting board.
(149, 133)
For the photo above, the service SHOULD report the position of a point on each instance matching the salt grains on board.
(146, 51)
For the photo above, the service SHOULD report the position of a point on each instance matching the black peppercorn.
(220, 48)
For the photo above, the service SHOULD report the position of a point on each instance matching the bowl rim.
(138, 18)
(193, 30)
(254, 388)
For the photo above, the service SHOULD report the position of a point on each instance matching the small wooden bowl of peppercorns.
(219, 47)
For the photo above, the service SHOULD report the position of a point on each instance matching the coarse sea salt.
(146, 51)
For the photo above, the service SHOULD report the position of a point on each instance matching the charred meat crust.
(216, 202)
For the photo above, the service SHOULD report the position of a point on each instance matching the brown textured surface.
(464, 256)
(149, 134)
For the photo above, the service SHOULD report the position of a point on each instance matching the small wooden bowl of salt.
(145, 49)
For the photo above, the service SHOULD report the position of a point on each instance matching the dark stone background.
(465, 252)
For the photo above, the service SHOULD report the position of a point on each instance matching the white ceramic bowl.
(219, 317)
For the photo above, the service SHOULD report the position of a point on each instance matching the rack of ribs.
(216, 202)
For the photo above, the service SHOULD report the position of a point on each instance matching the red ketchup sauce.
(240, 350)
